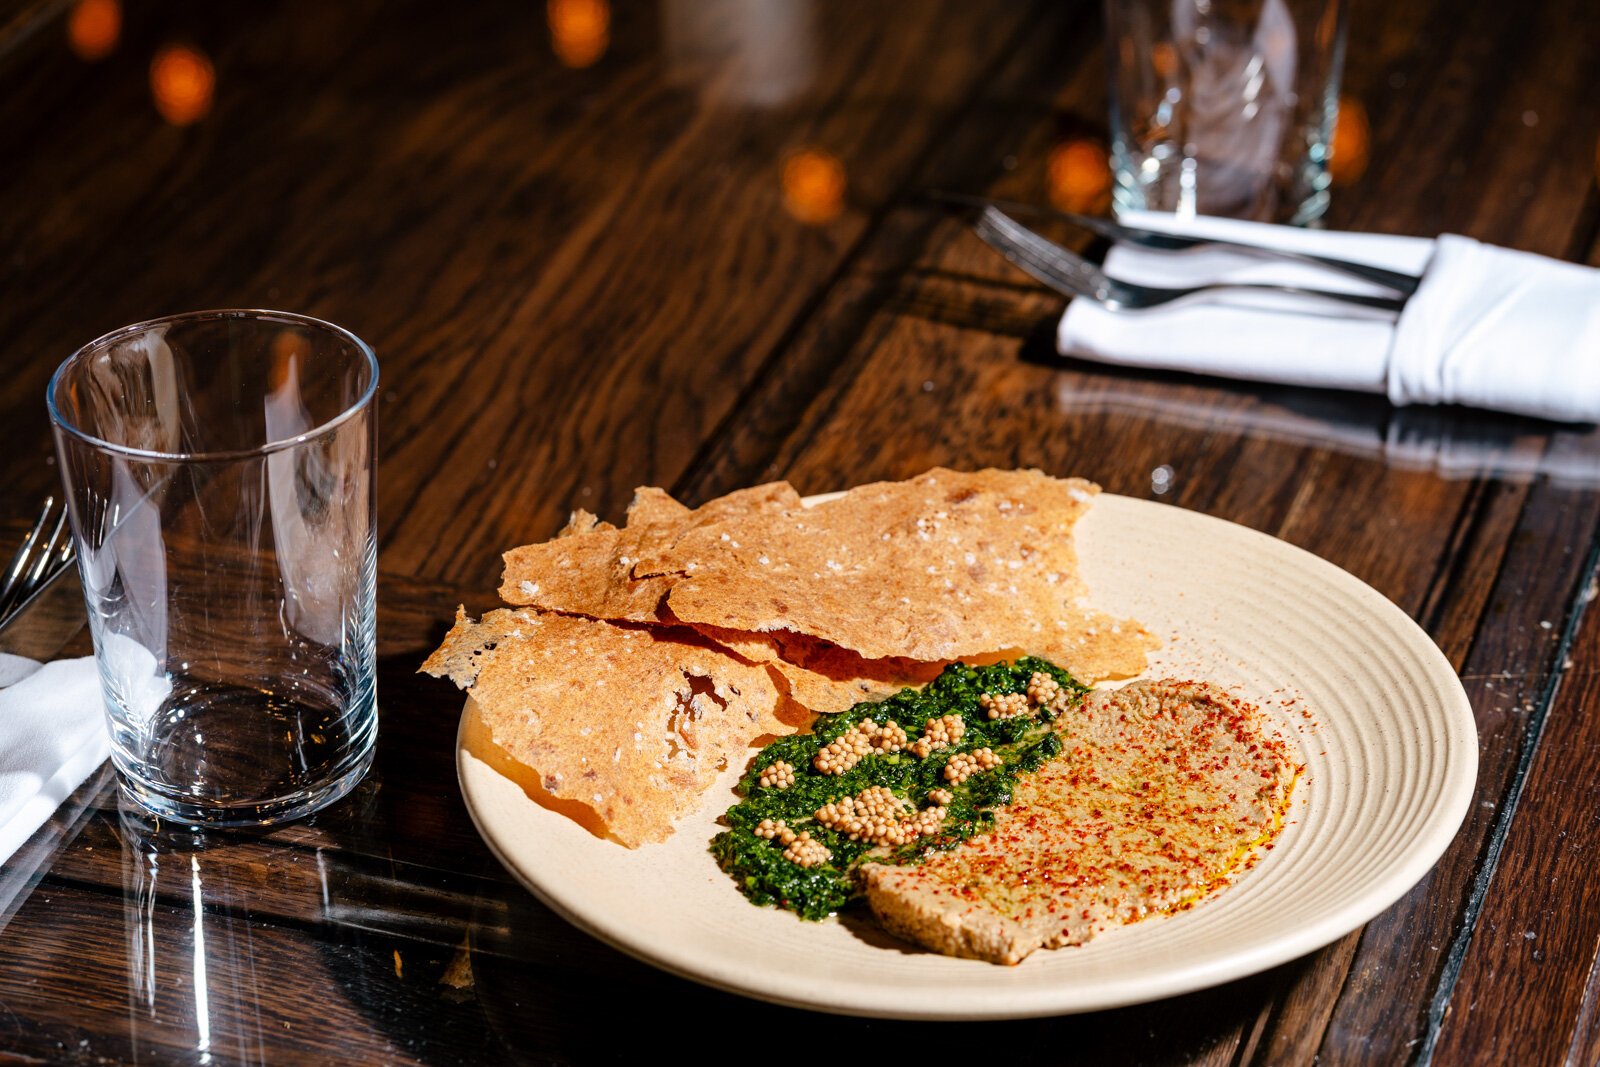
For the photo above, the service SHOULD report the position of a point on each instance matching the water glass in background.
(1224, 107)
(218, 466)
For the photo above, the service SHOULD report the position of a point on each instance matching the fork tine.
(19, 562)
(1043, 268)
(1006, 236)
(38, 559)
(1047, 250)
(45, 556)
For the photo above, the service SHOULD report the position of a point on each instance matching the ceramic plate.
(1390, 751)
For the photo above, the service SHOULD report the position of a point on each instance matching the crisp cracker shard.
(621, 727)
(588, 568)
(462, 654)
(823, 676)
(943, 566)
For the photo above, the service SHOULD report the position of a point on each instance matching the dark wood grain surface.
(583, 271)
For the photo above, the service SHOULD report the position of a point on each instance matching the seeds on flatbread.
(631, 725)
(943, 566)
(587, 569)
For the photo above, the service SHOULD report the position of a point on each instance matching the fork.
(1157, 240)
(1066, 272)
(44, 553)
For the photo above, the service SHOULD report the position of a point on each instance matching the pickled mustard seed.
(1043, 690)
(865, 738)
(775, 828)
(964, 765)
(940, 733)
(878, 816)
(1004, 705)
(777, 775)
(806, 852)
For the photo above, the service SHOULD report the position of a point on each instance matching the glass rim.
(60, 421)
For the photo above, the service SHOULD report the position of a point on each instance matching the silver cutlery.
(1071, 274)
(44, 553)
(1404, 284)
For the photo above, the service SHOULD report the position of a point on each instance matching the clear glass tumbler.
(218, 467)
(1224, 107)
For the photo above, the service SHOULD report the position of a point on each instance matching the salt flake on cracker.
(588, 568)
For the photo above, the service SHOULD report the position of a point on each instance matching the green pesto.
(1022, 743)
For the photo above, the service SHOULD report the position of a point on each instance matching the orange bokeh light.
(813, 186)
(1078, 176)
(1164, 60)
(93, 28)
(580, 30)
(182, 83)
(1352, 138)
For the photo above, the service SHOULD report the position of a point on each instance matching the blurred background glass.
(1224, 107)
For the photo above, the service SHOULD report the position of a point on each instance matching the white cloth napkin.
(52, 736)
(1489, 327)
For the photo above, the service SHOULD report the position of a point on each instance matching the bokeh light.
(1352, 138)
(1078, 176)
(813, 186)
(93, 28)
(182, 82)
(1164, 61)
(580, 30)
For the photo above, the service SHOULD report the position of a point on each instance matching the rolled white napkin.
(52, 736)
(1489, 327)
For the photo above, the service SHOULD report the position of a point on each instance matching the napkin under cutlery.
(1488, 327)
(52, 737)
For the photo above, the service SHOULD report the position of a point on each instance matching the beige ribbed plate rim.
(1391, 757)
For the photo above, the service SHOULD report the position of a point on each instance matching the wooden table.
(689, 247)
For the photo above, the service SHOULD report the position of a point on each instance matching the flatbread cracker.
(581, 521)
(656, 508)
(461, 655)
(588, 570)
(622, 727)
(944, 566)
(824, 677)
(1101, 647)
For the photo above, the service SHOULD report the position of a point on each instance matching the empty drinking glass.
(218, 467)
